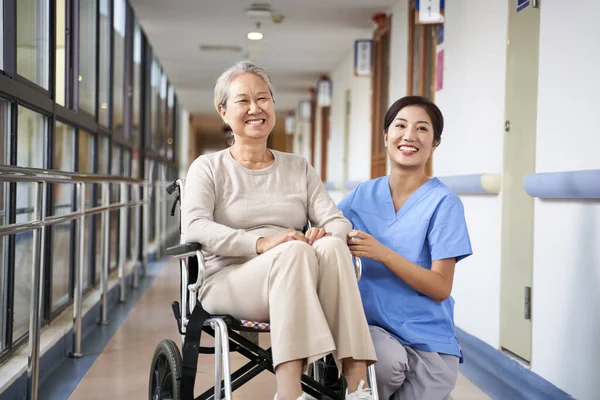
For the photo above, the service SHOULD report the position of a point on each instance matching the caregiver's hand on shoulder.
(362, 244)
(265, 244)
(314, 234)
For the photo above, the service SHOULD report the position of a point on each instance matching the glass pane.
(60, 52)
(31, 137)
(154, 83)
(3, 260)
(137, 85)
(170, 139)
(119, 65)
(104, 86)
(4, 131)
(116, 169)
(33, 40)
(162, 104)
(1, 67)
(87, 56)
(4, 159)
(86, 165)
(23, 261)
(62, 245)
(62, 234)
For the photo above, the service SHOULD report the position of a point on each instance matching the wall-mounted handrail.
(584, 184)
(41, 178)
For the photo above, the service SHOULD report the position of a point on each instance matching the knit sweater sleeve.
(322, 211)
(197, 214)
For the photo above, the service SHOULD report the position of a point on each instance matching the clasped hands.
(362, 244)
(312, 235)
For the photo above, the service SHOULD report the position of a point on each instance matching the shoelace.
(361, 393)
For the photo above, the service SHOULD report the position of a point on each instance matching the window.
(116, 169)
(103, 144)
(61, 55)
(137, 94)
(62, 234)
(154, 87)
(162, 115)
(4, 159)
(104, 84)
(1, 67)
(87, 56)
(119, 65)
(33, 40)
(170, 139)
(85, 165)
(31, 135)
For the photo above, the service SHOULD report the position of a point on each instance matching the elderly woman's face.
(249, 110)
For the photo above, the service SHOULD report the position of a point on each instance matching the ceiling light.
(255, 35)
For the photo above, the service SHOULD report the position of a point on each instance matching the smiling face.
(410, 139)
(249, 110)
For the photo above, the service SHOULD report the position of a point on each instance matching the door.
(325, 111)
(518, 159)
(380, 94)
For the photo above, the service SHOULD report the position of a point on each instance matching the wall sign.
(429, 12)
(521, 4)
(324, 92)
(363, 57)
(439, 71)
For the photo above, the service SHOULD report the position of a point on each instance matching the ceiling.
(313, 38)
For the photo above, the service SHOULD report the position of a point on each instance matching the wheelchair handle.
(172, 187)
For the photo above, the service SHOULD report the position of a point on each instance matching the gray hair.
(222, 85)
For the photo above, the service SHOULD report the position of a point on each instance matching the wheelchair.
(173, 373)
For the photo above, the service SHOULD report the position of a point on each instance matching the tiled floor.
(122, 370)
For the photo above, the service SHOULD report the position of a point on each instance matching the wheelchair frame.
(192, 320)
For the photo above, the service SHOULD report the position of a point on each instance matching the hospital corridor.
(283, 199)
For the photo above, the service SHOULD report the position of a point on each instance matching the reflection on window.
(115, 169)
(1, 67)
(170, 139)
(137, 85)
(31, 137)
(4, 159)
(61, 234)
(119, 65)
(162, 115)
(60, 52)
(86, 165)
(33, 38)
(154, 86)
(87, 56)
(104, 84)
(3, 259)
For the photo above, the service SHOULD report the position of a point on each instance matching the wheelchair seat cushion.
(259, 326)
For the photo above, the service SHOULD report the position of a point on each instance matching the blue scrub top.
(430, 226)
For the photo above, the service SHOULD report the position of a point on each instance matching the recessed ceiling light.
(255, 35)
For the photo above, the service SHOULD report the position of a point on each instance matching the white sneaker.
(361, 393)
(303, 397)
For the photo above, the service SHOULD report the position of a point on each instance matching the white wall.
(183, 142)
(472, 101)
(359, 146)
(566, 275)
(399, 51)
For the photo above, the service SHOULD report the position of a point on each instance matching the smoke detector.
(260, 11)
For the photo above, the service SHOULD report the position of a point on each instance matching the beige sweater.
(227, 207)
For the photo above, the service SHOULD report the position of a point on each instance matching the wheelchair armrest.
(184, 249)
(357, 267)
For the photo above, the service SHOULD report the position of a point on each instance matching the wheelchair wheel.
(165, 373)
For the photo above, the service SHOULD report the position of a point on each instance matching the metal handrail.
(41, 178)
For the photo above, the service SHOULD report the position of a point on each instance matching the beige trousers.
(309, 294)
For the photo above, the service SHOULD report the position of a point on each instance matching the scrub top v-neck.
(429, 226)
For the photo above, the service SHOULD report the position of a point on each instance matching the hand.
(362, 244)
(266, 244)
(314, 234)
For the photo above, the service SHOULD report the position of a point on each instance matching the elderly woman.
(247, 205)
